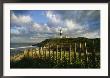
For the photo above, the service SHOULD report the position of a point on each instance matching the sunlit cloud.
(36, 26)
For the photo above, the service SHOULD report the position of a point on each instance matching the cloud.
(76, 23)
(53, 17)
(71, 25)
(23, 27)
(20, 19)
(15, 31)
(40, 28)
(95, 34)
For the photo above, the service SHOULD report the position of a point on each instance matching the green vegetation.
(52, 62)
(65, 42)
(62, 53)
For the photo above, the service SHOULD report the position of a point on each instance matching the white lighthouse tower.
(60, 33)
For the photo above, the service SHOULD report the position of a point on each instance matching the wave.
(17, 50)
(24, 47)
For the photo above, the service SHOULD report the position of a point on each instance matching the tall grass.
(55, 60)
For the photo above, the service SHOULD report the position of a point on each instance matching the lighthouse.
(60, 33)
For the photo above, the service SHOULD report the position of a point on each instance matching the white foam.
(24, 47)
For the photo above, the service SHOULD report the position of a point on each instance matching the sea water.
(16, 48)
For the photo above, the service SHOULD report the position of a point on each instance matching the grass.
(25, 60)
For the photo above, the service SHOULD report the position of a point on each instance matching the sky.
(34, 26)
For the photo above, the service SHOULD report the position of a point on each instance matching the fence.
(69, 52)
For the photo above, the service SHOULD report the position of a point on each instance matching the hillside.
(61, 53)
(67, 41)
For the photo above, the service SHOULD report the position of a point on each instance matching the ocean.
(16, 48)
(17, 45)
